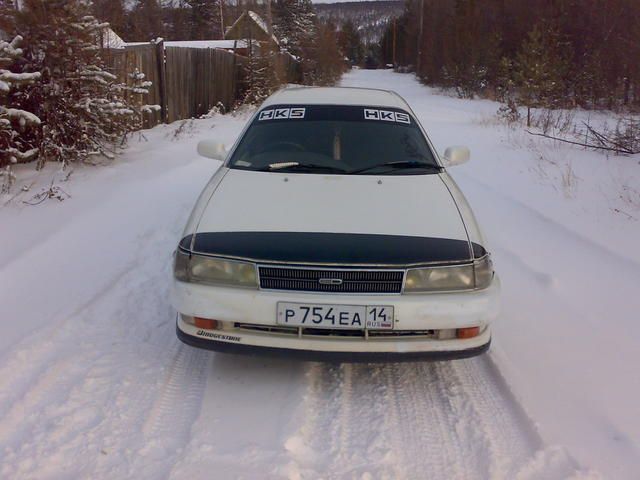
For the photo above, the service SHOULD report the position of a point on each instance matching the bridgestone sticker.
(217, 336)
(282, 114)
(386, 116)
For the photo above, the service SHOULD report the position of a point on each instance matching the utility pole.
(280, 76)
(269, 20)
(222, 17)
(395, 21)
(419, 61)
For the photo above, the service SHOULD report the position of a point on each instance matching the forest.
(370, 17)
(538, 53)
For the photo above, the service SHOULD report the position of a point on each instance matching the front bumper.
(412, 313)
(328, 352)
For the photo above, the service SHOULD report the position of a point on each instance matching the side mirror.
(212, 149)
(456, 156)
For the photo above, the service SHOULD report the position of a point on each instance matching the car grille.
(335, 281)
(319, 332)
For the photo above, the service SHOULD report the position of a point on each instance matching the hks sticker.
(386, 116)
(282, 114)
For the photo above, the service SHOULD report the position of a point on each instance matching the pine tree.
(540, 70)
(80, 104)
(205, 19)
(137, 90)
(350, 43)
(329, 61)
(590, 84)
(113, 12)
(178, 21)
(18, 127)
(293, 24)
(146, 21)
(258, 81)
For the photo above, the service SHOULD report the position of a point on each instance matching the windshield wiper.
(301, 167)
(400, 164)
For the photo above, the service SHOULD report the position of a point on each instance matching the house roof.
(250, 25)
(110, 39)
(296, 95)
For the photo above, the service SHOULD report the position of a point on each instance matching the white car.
(332, 231)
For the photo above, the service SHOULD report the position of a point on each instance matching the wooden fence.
(290, 67)
(198, 79)
(186, 82)
(148, 60)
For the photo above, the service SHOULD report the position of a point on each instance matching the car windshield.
(334, 139)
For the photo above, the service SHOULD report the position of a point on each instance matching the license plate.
(356, 317)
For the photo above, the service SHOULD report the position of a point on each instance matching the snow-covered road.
(94, 384)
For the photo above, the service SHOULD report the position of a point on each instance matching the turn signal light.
(205, 323)
(468, 332)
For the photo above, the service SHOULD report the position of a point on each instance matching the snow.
(94, 384)
(19, 77)
(11, 49)
(20, 115)
(9, 54)
(151, 108)
(222, 44)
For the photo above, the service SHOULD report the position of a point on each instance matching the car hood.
(407, 205)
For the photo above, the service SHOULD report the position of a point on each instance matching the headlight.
(214, 271)
(477, 275)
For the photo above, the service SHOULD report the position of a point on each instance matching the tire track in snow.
(336, 438)
(345, 395)
(507, 434)
(516, 450)
(51, 388)
(434, 436)
(363, 440)
(166, 429)
(451, 419)
(392, 418)
(75, 397)
(316, 429)
(41, 413)
(34, 356)
(447, 425)
(409, 436)
(182, 392)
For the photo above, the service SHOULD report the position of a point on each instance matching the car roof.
(296, 95)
